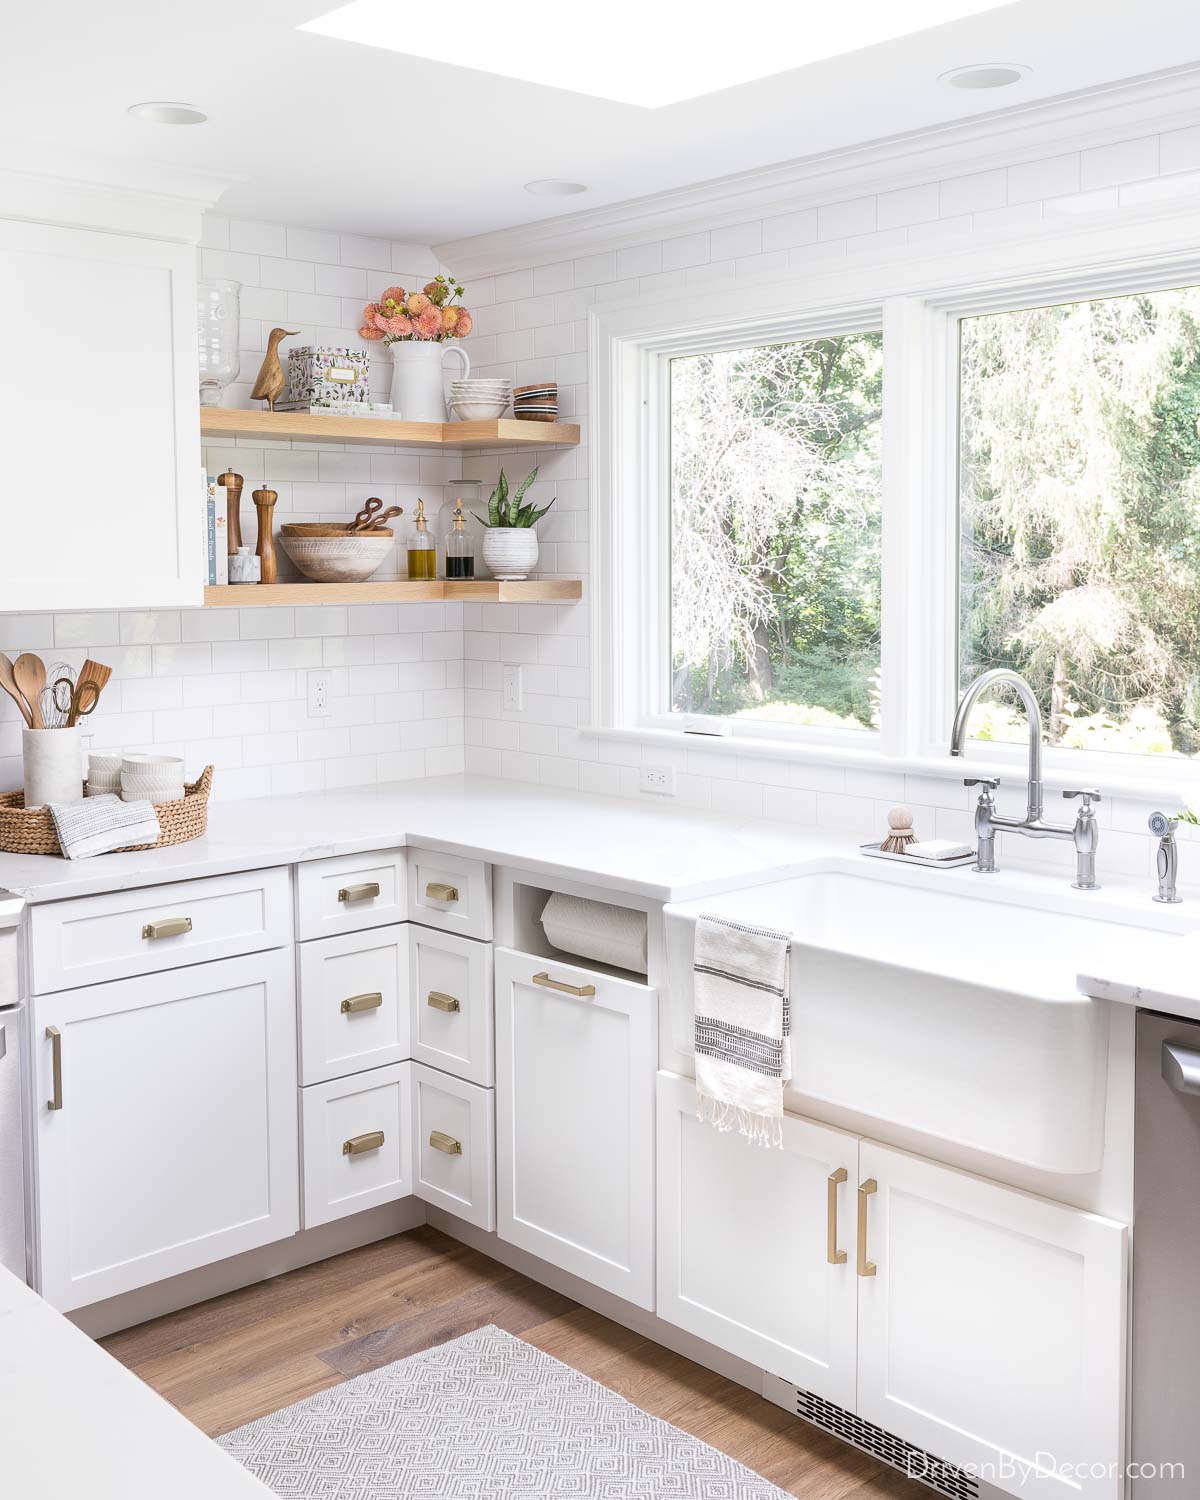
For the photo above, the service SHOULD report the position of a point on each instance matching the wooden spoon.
(8, 682)
(30, 673)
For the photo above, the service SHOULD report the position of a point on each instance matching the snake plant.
(505, 508)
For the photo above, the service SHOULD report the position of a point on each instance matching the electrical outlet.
(318, 695)
(513, 696)
(657, 779)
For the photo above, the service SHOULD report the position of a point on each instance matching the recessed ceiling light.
(641, 54)
(163, 112)
(984, 76)
(554, 187)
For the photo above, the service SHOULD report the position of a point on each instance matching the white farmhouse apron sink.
(945, 1001)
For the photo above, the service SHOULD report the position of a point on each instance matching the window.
(1079, 503)
(775, 489)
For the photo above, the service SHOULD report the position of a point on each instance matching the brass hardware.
(357, 1144)
(440, 1141)
(367, 891)
(833, 1255)
(173, 927)
(584, 991)
(865, 1189)
(55, 1038)
(357, 1003)
(438, 890)
(439, 1001)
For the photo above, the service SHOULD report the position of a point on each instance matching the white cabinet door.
(575, 1063)
(354, 1011)
(454, 1145)
(105, 424)
(992, 1330)
(755, 1246)
(357, 1143)
(450, 980)
(175, 1143)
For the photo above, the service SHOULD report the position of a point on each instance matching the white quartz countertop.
(662, 852)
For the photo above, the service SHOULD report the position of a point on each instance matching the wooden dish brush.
(900, 835)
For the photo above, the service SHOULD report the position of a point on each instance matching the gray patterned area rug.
(485, 1417)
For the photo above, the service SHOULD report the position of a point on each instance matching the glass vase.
(218, 327)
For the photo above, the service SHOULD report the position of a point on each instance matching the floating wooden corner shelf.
(277, 426)
(487, 590)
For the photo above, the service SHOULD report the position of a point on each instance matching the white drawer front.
(125, 933)
(340, 895)
(451, 988)
(346, 1167)
(450, 892)
(354, 1010)
(454, 1140)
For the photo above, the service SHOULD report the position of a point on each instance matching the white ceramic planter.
(510, 552)
(52, 761)
(418, 384)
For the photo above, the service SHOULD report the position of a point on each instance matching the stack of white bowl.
(479, 400)
(151, 778)
(104, 774)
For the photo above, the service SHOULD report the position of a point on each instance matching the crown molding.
(1071, 122)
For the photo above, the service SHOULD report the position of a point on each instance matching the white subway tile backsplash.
(1125, 161)
(838, 220)
(1049, 178)
(974, 192)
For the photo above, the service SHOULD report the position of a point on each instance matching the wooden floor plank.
(238, 1357)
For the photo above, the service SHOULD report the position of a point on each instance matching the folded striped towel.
(743, 1027)
(101, 824)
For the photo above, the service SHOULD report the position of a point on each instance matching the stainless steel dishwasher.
(14, 1217)
(1166, 1259)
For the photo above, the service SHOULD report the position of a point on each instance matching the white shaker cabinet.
(102, 441)
(575, 1064)
(167, 1127)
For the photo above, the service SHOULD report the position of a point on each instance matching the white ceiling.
(332, 134)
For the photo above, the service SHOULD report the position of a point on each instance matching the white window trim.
(917, 301)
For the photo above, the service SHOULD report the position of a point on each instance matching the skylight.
(634, 52)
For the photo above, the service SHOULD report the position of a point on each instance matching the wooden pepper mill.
(232, 483)
(264, 501)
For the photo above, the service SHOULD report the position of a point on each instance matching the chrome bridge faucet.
(1084, 833)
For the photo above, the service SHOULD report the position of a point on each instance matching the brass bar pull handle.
(438, 890)
(865, 1189)
(833, 1255)
(172, 927)
(55, 1039)
(440, 1001)
(358, 1003)
(440, 1141)
(584, 991)
(357, 1144)
(367, 891)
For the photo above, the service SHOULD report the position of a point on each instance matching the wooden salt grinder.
(264, 501)
(232, 483)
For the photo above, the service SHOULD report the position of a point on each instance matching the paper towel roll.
(594, 929)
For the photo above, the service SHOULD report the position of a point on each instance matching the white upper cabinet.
(99, 395)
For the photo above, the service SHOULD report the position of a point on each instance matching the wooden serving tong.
(372, 516)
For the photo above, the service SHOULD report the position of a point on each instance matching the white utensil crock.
(53, 765)
(510, 551)
(418, 385)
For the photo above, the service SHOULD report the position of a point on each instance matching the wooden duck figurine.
(271, 379)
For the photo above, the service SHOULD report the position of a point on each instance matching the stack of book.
(216, 531)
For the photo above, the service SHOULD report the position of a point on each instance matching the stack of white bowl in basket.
(479, 400)
(135, 778)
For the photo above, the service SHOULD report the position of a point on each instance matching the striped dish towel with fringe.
(743, 1027)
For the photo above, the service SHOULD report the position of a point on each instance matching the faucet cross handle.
(1089, 795)
(988, 783)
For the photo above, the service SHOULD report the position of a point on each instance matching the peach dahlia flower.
(372, 334)
(464, 324)
(395, 294)
(417, 303)
(428, 323)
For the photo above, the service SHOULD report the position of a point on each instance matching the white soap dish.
(874, 851)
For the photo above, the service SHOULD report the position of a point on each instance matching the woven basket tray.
(33, 832)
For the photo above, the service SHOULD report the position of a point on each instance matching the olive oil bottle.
(422, 553)
(460, 555)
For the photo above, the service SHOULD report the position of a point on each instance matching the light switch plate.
(512, 696)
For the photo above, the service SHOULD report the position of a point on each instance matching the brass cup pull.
(54, 1037)
(440, 1141)
(865, 1267)
(172, 927)
(584, 991)
(357, 1144)
(358, 1003)
(833, 1255)
(367, 891)
(439, 1001)
(438, 890)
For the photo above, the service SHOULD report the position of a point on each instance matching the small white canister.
(53, 765)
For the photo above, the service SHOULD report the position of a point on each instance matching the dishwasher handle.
(1181, 1067)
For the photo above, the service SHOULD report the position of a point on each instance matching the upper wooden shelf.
(220, 421)
(401, 591)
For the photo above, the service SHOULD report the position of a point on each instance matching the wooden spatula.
(94, 671)
(30, 672)
(8, 682)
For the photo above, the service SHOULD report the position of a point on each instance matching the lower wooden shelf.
(487, 590)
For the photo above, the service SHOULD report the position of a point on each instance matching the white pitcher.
(418, 391)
